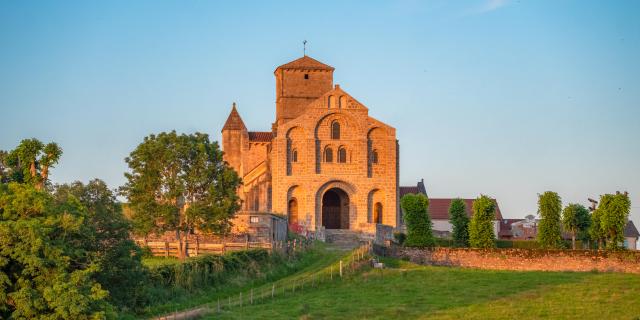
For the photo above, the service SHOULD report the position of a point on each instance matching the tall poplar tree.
(481, 234)
(460, 222)
(419, 232)
(549, 230)
(180, 183)
(614, 209)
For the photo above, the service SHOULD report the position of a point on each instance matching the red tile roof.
(306, 63)
(407, 190)
(439, 208)
(234, 122)
(260, 136)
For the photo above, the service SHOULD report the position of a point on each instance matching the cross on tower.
(304, 47)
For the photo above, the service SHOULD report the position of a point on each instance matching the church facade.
(325, 163)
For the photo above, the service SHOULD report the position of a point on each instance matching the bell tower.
(298, 83)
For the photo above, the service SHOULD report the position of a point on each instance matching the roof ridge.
(234, 121)
(306, 62)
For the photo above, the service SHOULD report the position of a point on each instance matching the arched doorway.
(335, 209)
(293, 211)
(377, 212)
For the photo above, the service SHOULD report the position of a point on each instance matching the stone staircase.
(345, 239)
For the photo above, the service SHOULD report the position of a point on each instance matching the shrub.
(481, 233)
(399, 237)
(419, 233)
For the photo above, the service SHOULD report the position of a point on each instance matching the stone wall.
(520, 259)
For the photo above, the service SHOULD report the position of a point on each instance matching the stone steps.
(344, 239)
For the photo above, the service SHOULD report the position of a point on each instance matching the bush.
(399, 237)
(419, 232)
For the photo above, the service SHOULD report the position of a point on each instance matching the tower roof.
(234, 122)
(306, 63)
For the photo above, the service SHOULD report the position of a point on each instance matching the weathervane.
(304, 47)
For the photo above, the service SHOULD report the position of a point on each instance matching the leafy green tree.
(575, 220)
(481, 234)
(45, 270)
(419, 233)
(549, 230)
(32, 160)
(460, 222)
(596, 232)
(180, 183)
(614, 210)
(121, 269)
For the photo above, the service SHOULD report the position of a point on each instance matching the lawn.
(409, 291)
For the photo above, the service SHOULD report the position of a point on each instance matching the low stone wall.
(520, 259)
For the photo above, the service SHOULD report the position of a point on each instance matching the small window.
(335, 130)
(328, 155)
(254, 219)
(306, 76)
(342, 155)
(374, 156)
(342, 102)
(330, 102)
(294, 156)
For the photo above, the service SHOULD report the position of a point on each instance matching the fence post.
(197, 245)
(218, 305)
(331, 272)
(241, 299)
(166, 249)
(340, 268)
(251, 297)
(273, 289)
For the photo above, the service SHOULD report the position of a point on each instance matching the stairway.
(343, 238)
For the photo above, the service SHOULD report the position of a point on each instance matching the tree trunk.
(573, 240)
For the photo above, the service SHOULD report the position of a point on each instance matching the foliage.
(614, 210)
(46, 270)
(419, 233)
(596, 232)
(30, 162)
(180, 183)
(549, 230)
(460, 222)
(481, 234)
(121, 269)
(399, 237)
(575, 220)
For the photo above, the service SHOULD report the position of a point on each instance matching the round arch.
(345, 193)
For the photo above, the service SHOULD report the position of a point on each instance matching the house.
(631, 236)
(439, 211)
(519, 229)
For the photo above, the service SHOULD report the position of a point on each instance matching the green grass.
(409, 291)
(314, 259)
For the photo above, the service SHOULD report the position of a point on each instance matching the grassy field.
(310, 261)
(408, 291)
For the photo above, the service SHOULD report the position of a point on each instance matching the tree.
(549, 230)
(460, 222)
(575, 220)
(121, 269)
(481, 233)
(33, 160)
(614, 209)
(180, 183)
(45, 270)
(419, 233)
(595, 230)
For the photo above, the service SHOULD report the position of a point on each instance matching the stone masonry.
(325, 164)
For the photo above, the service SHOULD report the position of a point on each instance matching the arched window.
(342, 155)
(330, 102)
(377, 213)
(335, 130)
(342, 102)
(374, 156)
(328, 155)
(294, 155)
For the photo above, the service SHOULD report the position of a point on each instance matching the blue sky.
(505, 98)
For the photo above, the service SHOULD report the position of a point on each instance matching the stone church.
(325, 164)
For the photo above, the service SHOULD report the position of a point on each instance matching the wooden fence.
(194, 248)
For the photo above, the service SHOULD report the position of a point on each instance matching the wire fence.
(338, 271)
